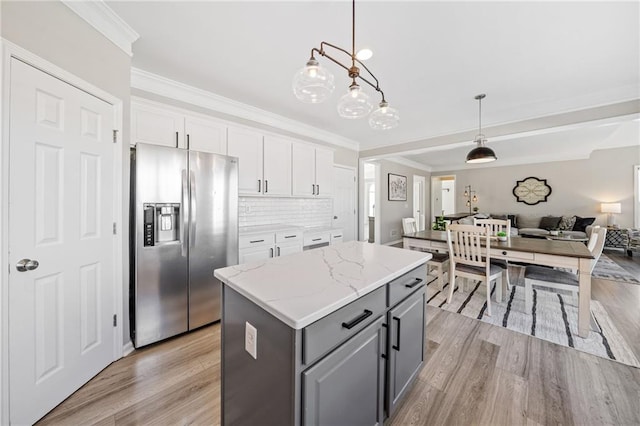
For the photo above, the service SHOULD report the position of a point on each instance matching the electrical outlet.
(251, 340)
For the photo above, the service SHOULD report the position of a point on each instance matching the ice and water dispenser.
(161, 223)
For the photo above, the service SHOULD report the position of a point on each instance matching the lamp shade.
(611, 208)
(481, 154)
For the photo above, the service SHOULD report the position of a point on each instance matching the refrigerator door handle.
(194, 204)
(184, 218)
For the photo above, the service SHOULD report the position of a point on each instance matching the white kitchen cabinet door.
(206, 135)
(157, 126)
(304, 180)
(277, 166)
(255, 254)
(247, 146)
(288, 248)
(324, 172)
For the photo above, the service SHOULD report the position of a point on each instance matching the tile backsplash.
(308, 212)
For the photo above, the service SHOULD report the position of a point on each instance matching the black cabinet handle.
(316, 239)
(415, 283)
(266, 186)
(313, 189)
(397, 346)
(188, 143)
(384, 356)
(318, 190)
(289, 236)
(256, 241)
(271, 252)
(259, 185)
(176, 139)
(349, 325)
(504, 253)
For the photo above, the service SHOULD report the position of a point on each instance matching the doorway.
(443, 195)
(370, 201)
(419, 209)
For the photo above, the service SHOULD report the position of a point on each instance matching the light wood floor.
(475, 373)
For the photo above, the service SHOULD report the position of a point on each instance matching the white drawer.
(285, 237)
(497, 253)
(255, 240)
(317, 238)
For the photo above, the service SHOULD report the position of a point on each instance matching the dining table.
(554, 253)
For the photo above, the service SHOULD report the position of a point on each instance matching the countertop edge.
(313, 317)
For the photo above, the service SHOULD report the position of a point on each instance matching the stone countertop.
(301, 288)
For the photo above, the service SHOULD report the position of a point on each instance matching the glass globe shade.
(313, 83)
(384, 118)
(354, 104)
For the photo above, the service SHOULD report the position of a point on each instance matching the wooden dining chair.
(493, 226)
(551, 279)
(470, 257)
(438, 263)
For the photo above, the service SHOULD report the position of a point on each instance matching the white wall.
(578, 186)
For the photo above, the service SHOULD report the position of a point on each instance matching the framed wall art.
(531, 190)
(397, 187)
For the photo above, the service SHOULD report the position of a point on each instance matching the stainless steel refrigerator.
(184, 224)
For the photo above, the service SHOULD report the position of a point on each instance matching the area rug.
(607, 269)
(554, 316)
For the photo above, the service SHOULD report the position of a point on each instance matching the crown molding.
(162, 86)
(101, 17)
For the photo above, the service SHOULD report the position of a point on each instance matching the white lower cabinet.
(256, 247)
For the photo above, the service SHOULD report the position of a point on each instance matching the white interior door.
(418, 202)
(344, 202)
(60, 215)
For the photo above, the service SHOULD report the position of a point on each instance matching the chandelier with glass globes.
(314, 84)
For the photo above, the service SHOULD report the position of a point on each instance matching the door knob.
(27, 265)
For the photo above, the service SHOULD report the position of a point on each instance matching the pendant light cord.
(480, 116)
(353, 32)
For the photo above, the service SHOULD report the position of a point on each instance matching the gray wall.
(390, 213)
(578, 186)
(55, 33)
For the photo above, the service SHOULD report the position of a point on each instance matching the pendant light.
(481, 153)
(314, 84)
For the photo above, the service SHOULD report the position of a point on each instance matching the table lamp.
(610, 209)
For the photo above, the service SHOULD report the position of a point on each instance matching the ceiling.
(532, 59)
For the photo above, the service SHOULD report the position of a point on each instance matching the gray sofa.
(541, 226)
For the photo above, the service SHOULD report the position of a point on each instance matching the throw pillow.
(582, 223)
(528, 221)
(566, 223)
(550, 222)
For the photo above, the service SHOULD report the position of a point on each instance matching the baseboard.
(391, 243)
(127, 349)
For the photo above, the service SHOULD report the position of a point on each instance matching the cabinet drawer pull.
(349, 325)
(313, 189)
(504, 253)
(397, 345)
(271, 252)
(188, 142)
(337, 236)
(317, 189)
(256, 241)
(266, 186)
(176, 139)
(259, 185)
(289, 236)
(415, 283)
(316, 239)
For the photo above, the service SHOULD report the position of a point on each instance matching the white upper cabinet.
(247, 146)
(312, 171)
(162, 125)
(206, 135)
(324, 172)
(157, 126)
(277, 166)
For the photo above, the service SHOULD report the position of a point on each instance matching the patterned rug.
(554, 317)
(607, 269)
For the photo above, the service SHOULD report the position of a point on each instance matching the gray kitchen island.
(333, 335)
